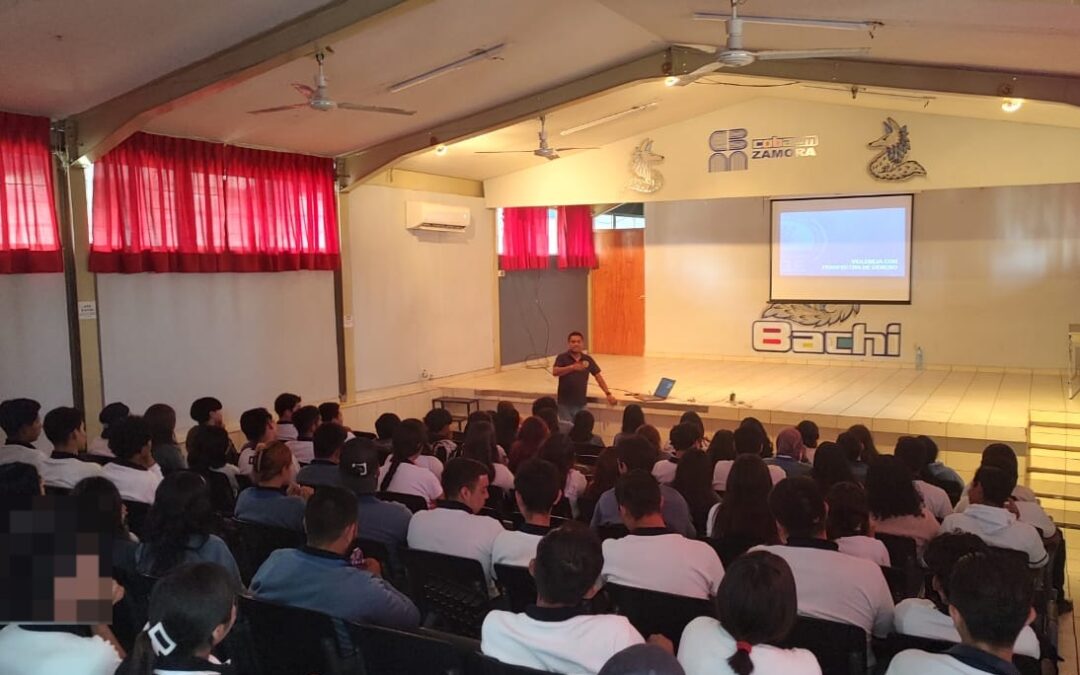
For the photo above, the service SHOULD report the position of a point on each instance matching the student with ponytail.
(191, 611)
(756, 606)
(401, 473)
(275, 499)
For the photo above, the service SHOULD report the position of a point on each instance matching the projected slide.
(853, 249)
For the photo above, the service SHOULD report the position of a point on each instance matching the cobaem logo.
(783, 336)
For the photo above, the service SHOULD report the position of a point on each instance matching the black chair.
(54, 491)
(136, 517)
(129, 615)
(885, 649)
(654, 612)
(251, 544)
(486, 665)
(387, 651)
(907, 577)
(415, 503)
(840, 648)
(611, 531)
(285, 640)
(221, 491)
(730, 548)
(517, 585)
(392, 566)
(588, 458)
(451, 592)
(97, 459)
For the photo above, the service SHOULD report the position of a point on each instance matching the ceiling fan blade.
(502, 152)
(375, 109)
(784, 54)
(835, 24)
(565, 149)
(699, 73)
(707, 49)
(303, 89)
(280, 108)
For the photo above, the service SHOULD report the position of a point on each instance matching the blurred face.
(476, 497)
(576, 343)
(217, 419)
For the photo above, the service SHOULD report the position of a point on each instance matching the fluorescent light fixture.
(440, 150)
(1011, 105)
(609, 118)
(671, 81)
(473, 57)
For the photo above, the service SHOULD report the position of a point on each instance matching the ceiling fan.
(319, 99)
(545, 150)
(733, 55)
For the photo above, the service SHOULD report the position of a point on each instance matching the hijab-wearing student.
(536, 490)
(179, 528)
(131, 471)
(582, 431)
(683, 437)
(756, 609)
(21, 422)
(326, 443)
(167, 453)
(65, 467)
(386, 522)
(275, 499)
(790, 453)
(912, 452)
(831, 466)
(896, 507)
(693, 480)
(560, 451)
(305, 420)
(748, 441)
(191, 611)
(109, 415)
(208, 412)
(439, 433)
(401, 472)
(558, 634)
(848, 524)
(633, 418)
(285, 405)
(743, 519)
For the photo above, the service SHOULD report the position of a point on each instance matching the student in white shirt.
(401, 474)
(259, 429)
(557, 634)
(190, 612)
(848, 524)
(929, 618)
(21, 422)
(1023, 503)
(633, 559)
(536, 490)
(912, 452)
(558, 450)
(285, 405)
(330, 413)
(306, 421)
(438, 421)
(453, 527)
(207, 448)
(131, 472)
(988, 518)
(990, 603)
(756, 607)
(64, 468)
(748, 441)
(830, 585)
(483, 450)
(109, 416)
(683, 437)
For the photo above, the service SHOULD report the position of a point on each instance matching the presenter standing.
(573, 368)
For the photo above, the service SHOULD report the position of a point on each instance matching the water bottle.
(918, 358)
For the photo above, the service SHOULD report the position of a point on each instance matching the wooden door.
(618, 293)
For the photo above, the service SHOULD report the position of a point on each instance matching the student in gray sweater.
(323, 576)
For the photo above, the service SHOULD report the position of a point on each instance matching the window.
(618, 221)
(553, 232)
(29, 237)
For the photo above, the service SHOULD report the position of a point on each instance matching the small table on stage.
(469, 404)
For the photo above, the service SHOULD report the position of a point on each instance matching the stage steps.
(1053, 468)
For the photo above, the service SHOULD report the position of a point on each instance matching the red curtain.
(166, 204)
(29, 237)
(576, 245)
(525, 238)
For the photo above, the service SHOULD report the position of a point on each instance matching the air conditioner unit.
(435, 217)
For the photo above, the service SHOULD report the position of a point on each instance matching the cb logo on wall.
(733, 149)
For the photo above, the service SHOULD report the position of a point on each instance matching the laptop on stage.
(663, 390)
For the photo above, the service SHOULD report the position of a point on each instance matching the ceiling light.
(476, 55)
(671, 81)
(440, 150)
(609, 118)
(1011, 105)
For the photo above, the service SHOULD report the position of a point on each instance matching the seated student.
(557, 633)
(484, 451)
(632, 560)
(929, 618)
(896, 507)
(854, 450)
(285, 405)
(756, 608)
(532, 434)
(830, 585)
(64, 467)
(306, 421)
(938, 469)
(743, 520)
(633, 418)
(721, 448)
(507, 421)
(131, 471)
(810, 435)
(330, 413)
(990, 603)
(556, 423)
(326, 444)
(560, 451)
(536, 490)
(191, 611)
(167, 453)
(207, 412)
(655, 657)
(604, 475)
(634, 453)
(747, 441)
(759, 428)
(831, 467)
(438, 421)
(582, 431)
(912, 452)
(652, 435)
(21, 423)
(104, 493)
(109, 415)
(179, 528)
(848, 524)
(275, 499)
(401, 472)
(385, 426)
(208, 447)
(322, 577)
(988, 518)
(258, 427)
(790, 453)
(386, 522)
(453, 527)
(682, 437)
(693, 480)
(1023, 501)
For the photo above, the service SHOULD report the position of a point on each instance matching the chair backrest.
(905, 577)
(840, 648)
(415, 503)
(902, 550)
(654, 612)
(611, 531)
(97, 459)
(480, 664)
(393, 569)
(136, 517)
(129, 615)
(251, 544)
(221, 492)
(517, 585)
(55, 491)
(451, 592)
(386, 651)
(288, 640)
(731, 547)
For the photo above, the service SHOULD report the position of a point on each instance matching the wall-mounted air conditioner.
(435, 217)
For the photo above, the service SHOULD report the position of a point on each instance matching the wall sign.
(798, 328)
(647, 178)
(891, 164)
(733, 149)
